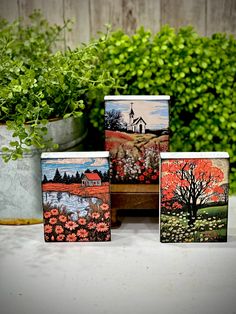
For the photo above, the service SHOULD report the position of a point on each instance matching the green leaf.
(5, 149)
(67, 115)
(193, 69)
(160, 61)
(14, 143)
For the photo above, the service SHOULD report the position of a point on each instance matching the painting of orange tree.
(76, 202)
(135, 134)
(194, 200)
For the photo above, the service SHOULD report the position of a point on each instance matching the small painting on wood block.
(194, 197)
(136, 131)
(76, 198)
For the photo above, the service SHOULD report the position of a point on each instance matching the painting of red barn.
(136, 131)
(91, 179)
(76, 196)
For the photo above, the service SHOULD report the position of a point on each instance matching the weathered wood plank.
(207, 16)
(52, 10)
(130, 14)
(150, 14)
(179, 13)
(221, 16)
(134, 200)
(105, 12)
(9, 10)
(78, 12)
(134, 188)
(137, 13)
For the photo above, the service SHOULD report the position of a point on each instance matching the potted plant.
(44, 100)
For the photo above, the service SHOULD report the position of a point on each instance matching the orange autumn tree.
(188, 184)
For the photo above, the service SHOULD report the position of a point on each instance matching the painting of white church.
(136, 116)
(136, 124)
(136, 131)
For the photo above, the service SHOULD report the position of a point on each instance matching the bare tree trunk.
(192, 210)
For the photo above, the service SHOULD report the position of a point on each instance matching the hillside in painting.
(135, 156)
(120, 142)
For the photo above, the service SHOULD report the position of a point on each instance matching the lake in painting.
(76, 199)
(74, 205)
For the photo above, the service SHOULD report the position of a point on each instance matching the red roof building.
(91, 179)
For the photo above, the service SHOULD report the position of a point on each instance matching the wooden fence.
(90, 16)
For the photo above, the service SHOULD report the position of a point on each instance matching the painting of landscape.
(135, 134)
(194, 200)
(76, 201)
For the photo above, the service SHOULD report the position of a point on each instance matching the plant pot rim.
(49, 120)
(67, 133)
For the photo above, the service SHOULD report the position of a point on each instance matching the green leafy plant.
(37, 85)
(197, 72)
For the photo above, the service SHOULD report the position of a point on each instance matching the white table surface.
(134, 273)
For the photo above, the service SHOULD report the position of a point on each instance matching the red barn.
(91, 179)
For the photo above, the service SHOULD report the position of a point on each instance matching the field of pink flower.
(60, 227)
(135, 157)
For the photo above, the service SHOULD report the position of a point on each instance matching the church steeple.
(131, 114)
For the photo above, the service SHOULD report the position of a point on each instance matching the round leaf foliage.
(197, 72)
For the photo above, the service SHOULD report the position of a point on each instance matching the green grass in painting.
(210, 226)
(219, 211)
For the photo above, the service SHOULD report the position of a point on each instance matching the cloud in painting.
(154, 113)
(99, 162)
(78, 161)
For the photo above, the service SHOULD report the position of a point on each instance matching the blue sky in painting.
(155, 113)
(71, 166)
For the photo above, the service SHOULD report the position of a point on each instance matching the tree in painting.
(57, 176)
(190, 184)
(114, 120)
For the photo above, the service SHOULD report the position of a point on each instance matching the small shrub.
(197, 72)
